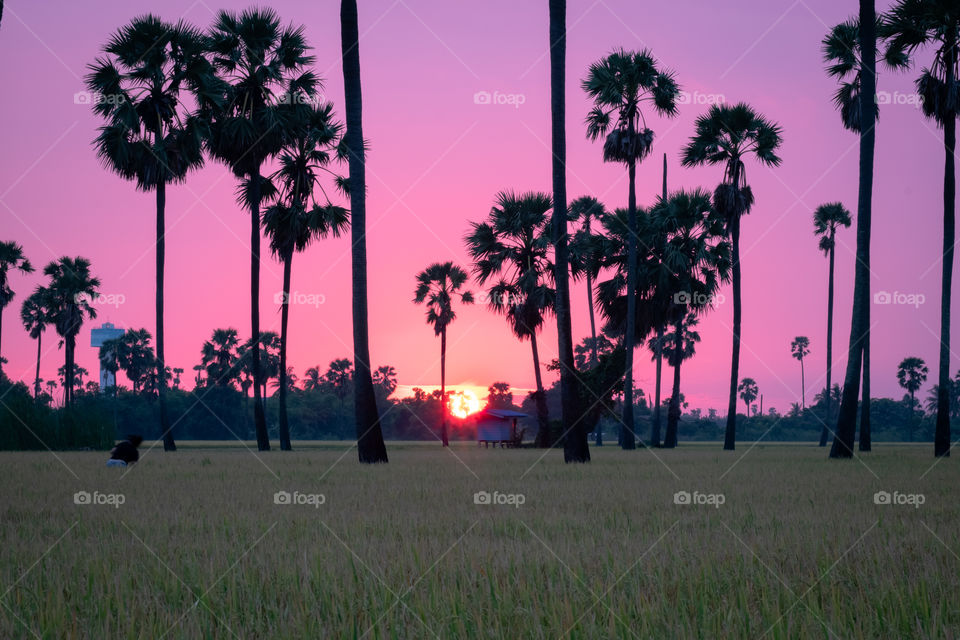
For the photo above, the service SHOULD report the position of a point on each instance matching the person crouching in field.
(125, 452)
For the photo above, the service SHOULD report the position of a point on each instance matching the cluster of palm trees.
(63, 303)
(244, 94)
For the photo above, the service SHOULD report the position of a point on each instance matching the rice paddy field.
(216, 542)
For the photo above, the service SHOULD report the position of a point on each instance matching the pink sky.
(436, 160)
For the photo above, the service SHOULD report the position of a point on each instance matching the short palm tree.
(71, 290)
(312, 379)
(621, 85)
(219, 357)
(11, 257)
(727, 135)
(800, 349)
(826, 220)
(510, 250)
(748, 392)
(909, 26)
(267, 84)
(438, 286)
(911, 374)
(302, 212)
(147, 71)
(692, 261)
(35, 315)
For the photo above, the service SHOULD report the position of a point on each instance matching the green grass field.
(199, 548)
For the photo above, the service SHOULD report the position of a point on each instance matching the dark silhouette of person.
(125, 452)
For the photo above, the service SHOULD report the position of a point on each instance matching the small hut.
(499, 427)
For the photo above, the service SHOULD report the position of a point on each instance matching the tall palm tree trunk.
(595, 355)
(68, 378)
(627, 437)
(803, 387)
(829, 399)
(655, 426)
(575, 446)
(370, 445)
(673, 415)
(443, 388)
(165, 428)
(941, 438)
(865, 436)
(847, 416)
(544, 438)
(36, 379)
(730, 437)
(284, 425)
(259, 419)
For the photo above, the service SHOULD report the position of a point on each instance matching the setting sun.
(463, 403)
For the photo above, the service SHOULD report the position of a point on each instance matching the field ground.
(199, 548)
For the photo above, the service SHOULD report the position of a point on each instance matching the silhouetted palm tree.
(800, 349)
(575, 447)
(909, 26)
(510, 249)
(437, 287)
(267, 85)
(11, 257)
(619, 85)
(727, 135)
(132, 354)
(370, 446)
(586, 258)
(841, 52)
(826, 220)
(859, 326)
(142, 80)
(911, 374)
(219, 356)
(748, 392)
(298, 216)
(71, 291)
(35, 315)
(312, 379)
(692, 260)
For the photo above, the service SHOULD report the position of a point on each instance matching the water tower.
(98, 336)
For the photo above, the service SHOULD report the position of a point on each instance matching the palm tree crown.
(437, 285)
